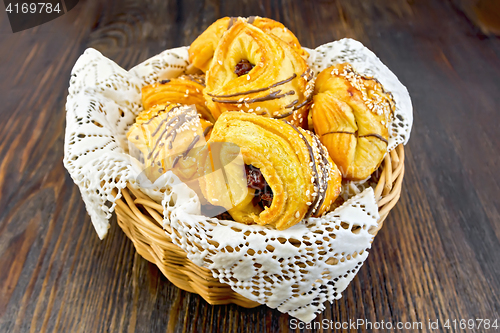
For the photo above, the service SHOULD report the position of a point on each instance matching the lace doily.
(295, 270)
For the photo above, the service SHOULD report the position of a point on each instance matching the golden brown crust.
(166, 135)
(207, 128)
(186, 89)
(203, 48)
(280, 31)
(279, 84)
(335, 177)
(351, 115)
(303, 180)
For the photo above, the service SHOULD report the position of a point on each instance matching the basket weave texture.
(141, 219)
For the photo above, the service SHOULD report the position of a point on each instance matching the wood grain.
(437, 256)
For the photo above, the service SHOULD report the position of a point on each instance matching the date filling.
(243, 67)
(263, 195)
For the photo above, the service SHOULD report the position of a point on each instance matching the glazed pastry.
(351, 115)
(203, 48)
(258, 73)
(167, 134)
(207, 127)
(279, 30)
(289, 175)
(186, 89)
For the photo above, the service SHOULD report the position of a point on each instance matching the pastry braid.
(203, 48)
(186, 89)
(351, 115)
(256, 72)
(166, 135)
(288, 172)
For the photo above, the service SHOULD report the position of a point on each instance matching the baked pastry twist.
(351, 115)
(186, 89)
(279, 30)
(207, 127)
(167, 134)
(256, 72)
(203, 48)
(289, 175)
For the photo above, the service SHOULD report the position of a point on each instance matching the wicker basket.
(141, 220)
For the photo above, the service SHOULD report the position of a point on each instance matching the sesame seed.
(220, 62)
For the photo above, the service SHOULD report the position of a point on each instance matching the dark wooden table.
(437, 257)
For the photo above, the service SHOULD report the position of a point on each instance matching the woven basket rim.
(140, 217)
